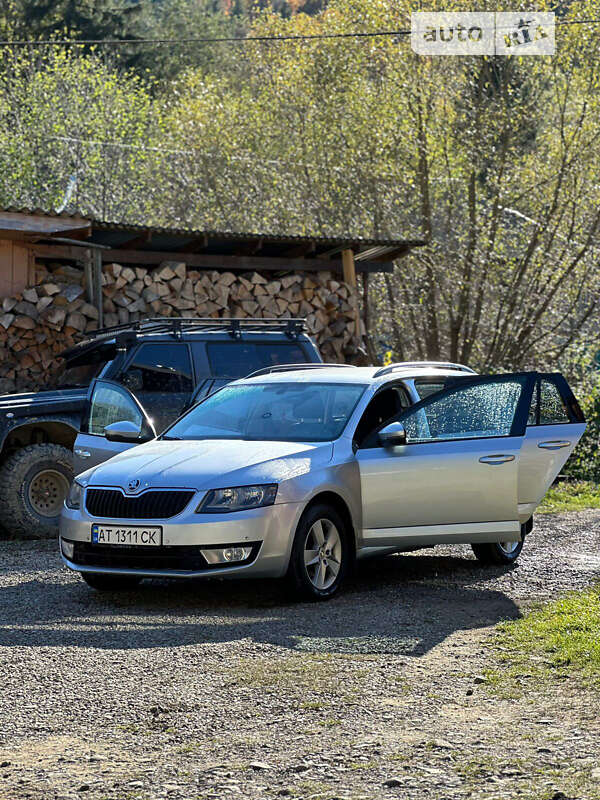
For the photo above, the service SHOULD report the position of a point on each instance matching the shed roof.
(209, 249)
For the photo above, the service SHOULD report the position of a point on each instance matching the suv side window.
(237, 359)
(384, 405)
(160, 376)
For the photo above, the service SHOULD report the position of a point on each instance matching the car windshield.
(286, 412)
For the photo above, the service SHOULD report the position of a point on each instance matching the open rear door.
(554, 427)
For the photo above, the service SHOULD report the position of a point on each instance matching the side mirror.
(125, 431)
(392, 435)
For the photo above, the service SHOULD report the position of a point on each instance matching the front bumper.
(268, 530)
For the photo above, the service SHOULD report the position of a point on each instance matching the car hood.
(209, 464)
(27, 403)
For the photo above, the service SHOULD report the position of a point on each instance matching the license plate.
(146, 536)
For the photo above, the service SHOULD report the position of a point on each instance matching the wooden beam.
(15, 225)
(198, 243)
(300, 250)
(349, 267)
(249, 248)
(208, 261)
(137, 241)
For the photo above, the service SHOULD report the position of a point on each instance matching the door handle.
(555, 444)
(496, 458)
(82, 453)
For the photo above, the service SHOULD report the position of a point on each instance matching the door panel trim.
(437, 534)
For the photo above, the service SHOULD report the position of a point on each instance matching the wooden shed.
(27, 235)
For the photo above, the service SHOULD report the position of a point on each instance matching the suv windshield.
(286, 412)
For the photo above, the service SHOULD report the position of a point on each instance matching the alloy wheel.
(322, 554)
(508, 548)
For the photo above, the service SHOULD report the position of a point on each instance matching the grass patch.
(553, 641)
(571, 496)
(298, 671)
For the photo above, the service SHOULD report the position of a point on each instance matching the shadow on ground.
(399, 604)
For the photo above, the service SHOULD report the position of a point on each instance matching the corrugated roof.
(267, 237)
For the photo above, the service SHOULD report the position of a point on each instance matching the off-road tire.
(495, 553)
(17, 475)
(298, 583)
(103, 582)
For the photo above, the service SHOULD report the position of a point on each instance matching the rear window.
(237, 359)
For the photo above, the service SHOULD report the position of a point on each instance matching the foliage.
(570, 496)
(55, 118)
(83, 19)
(491, 160)
(555, 639)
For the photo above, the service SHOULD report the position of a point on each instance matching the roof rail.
(409, 364)
(294, 367)
(177, 325)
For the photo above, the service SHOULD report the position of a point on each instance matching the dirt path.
(217, 690)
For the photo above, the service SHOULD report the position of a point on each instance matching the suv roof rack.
(178, 325)
(409, 364)
(292, 367)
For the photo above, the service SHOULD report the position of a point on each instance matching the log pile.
(54, 313)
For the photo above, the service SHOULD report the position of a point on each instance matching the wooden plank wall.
(17, 267)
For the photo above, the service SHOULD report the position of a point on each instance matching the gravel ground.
(218, 690)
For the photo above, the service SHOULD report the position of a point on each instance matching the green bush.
(584, 464)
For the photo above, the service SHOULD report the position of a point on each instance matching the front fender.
(11, 426)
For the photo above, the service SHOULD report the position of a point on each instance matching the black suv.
(166, 364)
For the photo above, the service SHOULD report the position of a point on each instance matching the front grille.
(184, 558)
(179, 557)
(114, 504)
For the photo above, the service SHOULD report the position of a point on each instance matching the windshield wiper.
(172, 438)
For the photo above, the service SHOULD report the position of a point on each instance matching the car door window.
(384, 406)
(547, 405)
(109, 403)
(552, 407)
(481, 410)
(160, 376)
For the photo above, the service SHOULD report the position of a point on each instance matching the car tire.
(103, 582)
(33, 484)
(501, 552)
(322, 533)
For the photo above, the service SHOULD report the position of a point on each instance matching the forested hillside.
(492, 160)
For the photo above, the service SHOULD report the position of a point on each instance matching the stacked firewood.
(37, 325)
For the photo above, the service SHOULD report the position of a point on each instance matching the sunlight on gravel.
(216, 690)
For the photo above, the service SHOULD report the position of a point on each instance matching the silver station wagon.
(298, 471)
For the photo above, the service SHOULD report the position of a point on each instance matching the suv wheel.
(104, 582)
(500, 552)
(34, 482)
(320, 554)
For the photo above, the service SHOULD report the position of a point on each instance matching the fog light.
(68, 548)
(228, 555)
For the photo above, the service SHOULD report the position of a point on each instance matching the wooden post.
(88, 269)
(349, 267)
(97, 273)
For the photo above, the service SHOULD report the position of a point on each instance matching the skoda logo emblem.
(133, 485)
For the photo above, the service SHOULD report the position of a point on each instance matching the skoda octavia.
(296, 472)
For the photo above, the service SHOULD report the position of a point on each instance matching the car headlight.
(239, 498)
(73, 499)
